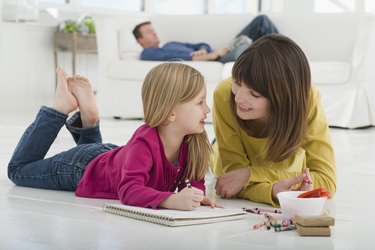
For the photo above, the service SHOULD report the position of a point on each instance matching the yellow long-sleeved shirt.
(235, 149)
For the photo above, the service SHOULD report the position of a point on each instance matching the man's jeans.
(258, 27)
(28, 165)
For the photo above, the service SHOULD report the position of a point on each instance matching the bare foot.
(82, 90)
(65, 101)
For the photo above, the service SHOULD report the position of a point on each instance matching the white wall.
(27, 68)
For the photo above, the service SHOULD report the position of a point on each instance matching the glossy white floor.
(43, 219)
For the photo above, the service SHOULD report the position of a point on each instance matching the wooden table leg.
(74, 52)
(56, 62)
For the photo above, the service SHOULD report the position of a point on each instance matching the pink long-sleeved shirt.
(137, 173)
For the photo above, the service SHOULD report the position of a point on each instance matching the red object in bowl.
(316, 193)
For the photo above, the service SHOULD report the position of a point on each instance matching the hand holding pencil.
(188, 199)
(206, 201)
(187, 183)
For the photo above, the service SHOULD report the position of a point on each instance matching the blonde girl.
(149, 171)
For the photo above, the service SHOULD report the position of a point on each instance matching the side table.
(76, 43)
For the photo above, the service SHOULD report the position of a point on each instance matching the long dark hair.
(276, 67)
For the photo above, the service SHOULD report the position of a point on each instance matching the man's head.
(146, 35)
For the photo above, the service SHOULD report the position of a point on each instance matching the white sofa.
(340, 49)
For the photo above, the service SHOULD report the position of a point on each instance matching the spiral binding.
(159, 219)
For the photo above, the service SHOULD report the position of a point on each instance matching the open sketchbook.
(173, 218)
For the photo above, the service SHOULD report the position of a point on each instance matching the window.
(63, 9)
(54, 1)
(173, 7)
(233, 6)
(185, 7)
(370, 6)
(179, 7)
(131, 5)
(319, 6)
(335, 5)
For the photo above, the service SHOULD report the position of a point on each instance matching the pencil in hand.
(187, 182)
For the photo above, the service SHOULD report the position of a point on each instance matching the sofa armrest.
(106, 40)
(363, 60)
(108, 30)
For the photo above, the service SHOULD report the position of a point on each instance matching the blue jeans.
(258, 27)
(28, 165)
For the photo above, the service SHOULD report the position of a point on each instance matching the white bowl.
(291, 205)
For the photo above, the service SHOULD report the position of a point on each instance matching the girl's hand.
(286, 185)
(186, 199)
(208, 202)
(229, 184)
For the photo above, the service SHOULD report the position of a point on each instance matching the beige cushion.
(323, 73)
(128, 47)
(137, 70)
(330, 72)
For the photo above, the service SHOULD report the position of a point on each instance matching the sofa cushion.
(330, 72)
(324, 73)
(227, 69)
(199, 28)
(128, 46)
(130, 69)
(137, 70)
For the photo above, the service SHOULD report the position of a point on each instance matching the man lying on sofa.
(146, 36)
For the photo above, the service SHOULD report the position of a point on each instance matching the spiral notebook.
(174, 218)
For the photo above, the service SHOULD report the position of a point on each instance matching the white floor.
(43, 219)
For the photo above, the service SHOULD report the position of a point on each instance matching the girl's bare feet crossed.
(65, 101)
(82, 90)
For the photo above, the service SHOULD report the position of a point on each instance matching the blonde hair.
(166, 86)
(276, 67)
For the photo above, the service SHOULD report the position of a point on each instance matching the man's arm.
(214, 55)
(175, 50)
